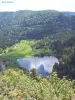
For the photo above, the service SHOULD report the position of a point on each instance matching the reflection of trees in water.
(43, 65)
(41, 70)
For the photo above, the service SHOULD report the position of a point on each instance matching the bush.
(15, 85)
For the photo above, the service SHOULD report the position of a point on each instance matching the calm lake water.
(43, 65)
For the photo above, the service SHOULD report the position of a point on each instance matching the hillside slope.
(20, 25)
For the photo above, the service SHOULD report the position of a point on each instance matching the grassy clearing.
(19, 50)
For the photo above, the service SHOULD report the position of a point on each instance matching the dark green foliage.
(33, 73)
(66, 66)
(53, 33)
(63, 50)
(43, 47)
(20, 25)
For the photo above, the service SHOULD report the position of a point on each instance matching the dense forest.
(37, 33)
(20, 25)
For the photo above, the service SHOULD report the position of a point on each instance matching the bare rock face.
(43, 65)
(3, 66)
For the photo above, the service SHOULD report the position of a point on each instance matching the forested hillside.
(63, 50)
(48, 33)
(37, 33)
(20, 25)
(70, 13)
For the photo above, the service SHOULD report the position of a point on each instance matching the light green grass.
(19, 50)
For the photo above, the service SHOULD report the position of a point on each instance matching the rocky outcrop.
(2, 66)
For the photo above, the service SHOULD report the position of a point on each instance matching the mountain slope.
(20, 25)
(70, 13)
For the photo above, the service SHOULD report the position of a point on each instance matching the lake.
(43, 65)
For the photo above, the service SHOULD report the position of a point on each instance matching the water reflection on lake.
(43, 65)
